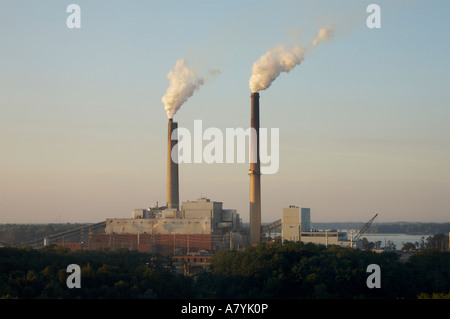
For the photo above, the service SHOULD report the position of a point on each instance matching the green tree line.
(29, 273)
(297, 270)
(288, 270)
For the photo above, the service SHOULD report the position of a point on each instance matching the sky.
(363, 121)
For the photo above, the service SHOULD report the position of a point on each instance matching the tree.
(438, 241)
(367, 244)
(408, 246)
(390, 245)
(422, 243)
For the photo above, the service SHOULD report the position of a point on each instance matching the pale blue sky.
(364, 120)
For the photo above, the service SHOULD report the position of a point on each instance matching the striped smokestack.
(172, 167)
(255, 174)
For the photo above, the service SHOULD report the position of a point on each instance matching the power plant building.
(325, 238)
(199, 225)
(290, 224)
(196, 217)
(296, 228)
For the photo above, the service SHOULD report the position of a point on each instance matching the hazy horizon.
(363, 120)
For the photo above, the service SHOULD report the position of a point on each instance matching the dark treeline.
(296, 270)
(289, 270)
(29, 273)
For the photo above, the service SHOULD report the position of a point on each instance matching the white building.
(290, 224)
(325, 238)
(196, 217)
(294, 230)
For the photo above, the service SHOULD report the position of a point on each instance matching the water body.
(397, 239)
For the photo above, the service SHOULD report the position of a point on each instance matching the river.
(397, 239)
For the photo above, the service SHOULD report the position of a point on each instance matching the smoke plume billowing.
(271, 64)
(280, 59)
(323, 35)
(183, 83)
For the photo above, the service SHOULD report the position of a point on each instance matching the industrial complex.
(194, 230)
(204, 224)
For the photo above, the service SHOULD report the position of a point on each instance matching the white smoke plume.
(270, 65)
(183, 84)
(323, 35)
(279, 59)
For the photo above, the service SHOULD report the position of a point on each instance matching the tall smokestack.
(255, 174)
(172, 168)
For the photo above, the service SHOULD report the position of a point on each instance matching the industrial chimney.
(172, 168)
(255, 174)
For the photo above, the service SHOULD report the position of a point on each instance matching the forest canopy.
(289, 270)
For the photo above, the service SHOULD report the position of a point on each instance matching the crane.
(364, 228)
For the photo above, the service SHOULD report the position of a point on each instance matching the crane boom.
(365, 227)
